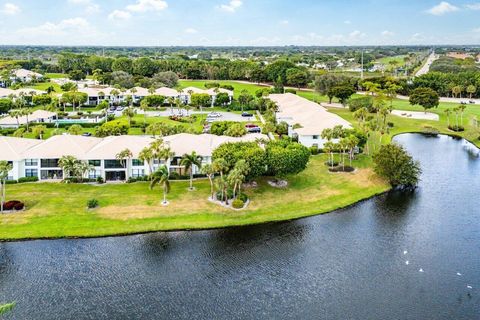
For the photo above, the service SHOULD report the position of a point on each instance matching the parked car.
(87, 134)
(214, 115)
(120, 108)
(471, 102)
(246, 114)
(251, 125)
(463, 102)
(112, 108)
(254, 130)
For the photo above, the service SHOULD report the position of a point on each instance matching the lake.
(349, 264)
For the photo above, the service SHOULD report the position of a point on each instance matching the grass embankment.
(59, 210)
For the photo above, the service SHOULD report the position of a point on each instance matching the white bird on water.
(405, 252)
(407, 262)
(459, 274)
(469, 287)
(421, 270)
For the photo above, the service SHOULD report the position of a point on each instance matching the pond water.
(350, 264)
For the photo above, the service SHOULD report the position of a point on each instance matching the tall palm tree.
(189, 161)
(171, 102)
(129, 112)
(207, 170)
(220, 165)
(26, 112)
(448, 112)
(144, 107)
(123, 156)
(68, 165)
(222, 184)
(461, 109)
(82, 168)
(5, 167)
(160, 177)
(146, 156)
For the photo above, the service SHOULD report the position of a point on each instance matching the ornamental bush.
(238, 204)
(285, 157)
(92, 203)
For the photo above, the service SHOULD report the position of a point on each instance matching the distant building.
(38, 116)
(459, 55)
(23, 75)
(306, 119)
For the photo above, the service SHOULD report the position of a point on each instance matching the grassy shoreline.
(58, 210)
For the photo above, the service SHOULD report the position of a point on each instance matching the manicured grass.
(239, 86)
(45, 85)
(59, 210)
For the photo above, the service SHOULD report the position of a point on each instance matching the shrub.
(243, 197)
(174, 175)
(19, 206)
(394, 163)
(456, 128)
(342, 169)
(291, 91)
(28, 179)
(13, 205)
(363, 102)
(390, 124)
(430, 131)
(92, 203)
(238, 204)
(314, 150)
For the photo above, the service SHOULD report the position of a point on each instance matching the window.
(137, 173)
(31, 162)
(94, 174)
(315, 137)
(113, 164)
(156, 161)
(49, 163)
(137, 163)
(31, 173)
(95, 163)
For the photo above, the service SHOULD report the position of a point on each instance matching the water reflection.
(345, 265)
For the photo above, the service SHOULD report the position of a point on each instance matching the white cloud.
(139, 6)
(146, 5)
(90, 6)
(442, 8)
(347, 22)
(473, 6)
(284, 22)
(387, 33)
(191, 31)
(10, 9)
(119, 15)
(476, 30)
(232, 6)
(61, 28)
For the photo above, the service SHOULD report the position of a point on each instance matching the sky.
(239, 22)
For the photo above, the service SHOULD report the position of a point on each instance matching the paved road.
(224, 116)
(426, 67)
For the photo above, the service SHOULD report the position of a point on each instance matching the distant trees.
(5, 168)
(167, 78)
(325, 84)
(342, 93)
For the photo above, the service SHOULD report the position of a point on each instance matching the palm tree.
(26, 112)
(189, 161)
(82, 168)
(144, 107)
(146, 156)
(448, 112)
(222, 184)
(151, 91)
(171, 102)
(16, 114)
(207, 170)
(129, 112)
(220, 165)
(160, 177)
(5, 167)
(68, 165)
(124, 155)
(352, 142)
(461, 109)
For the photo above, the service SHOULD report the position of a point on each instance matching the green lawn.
(45, 85)
(59, 210)
(239, 86)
